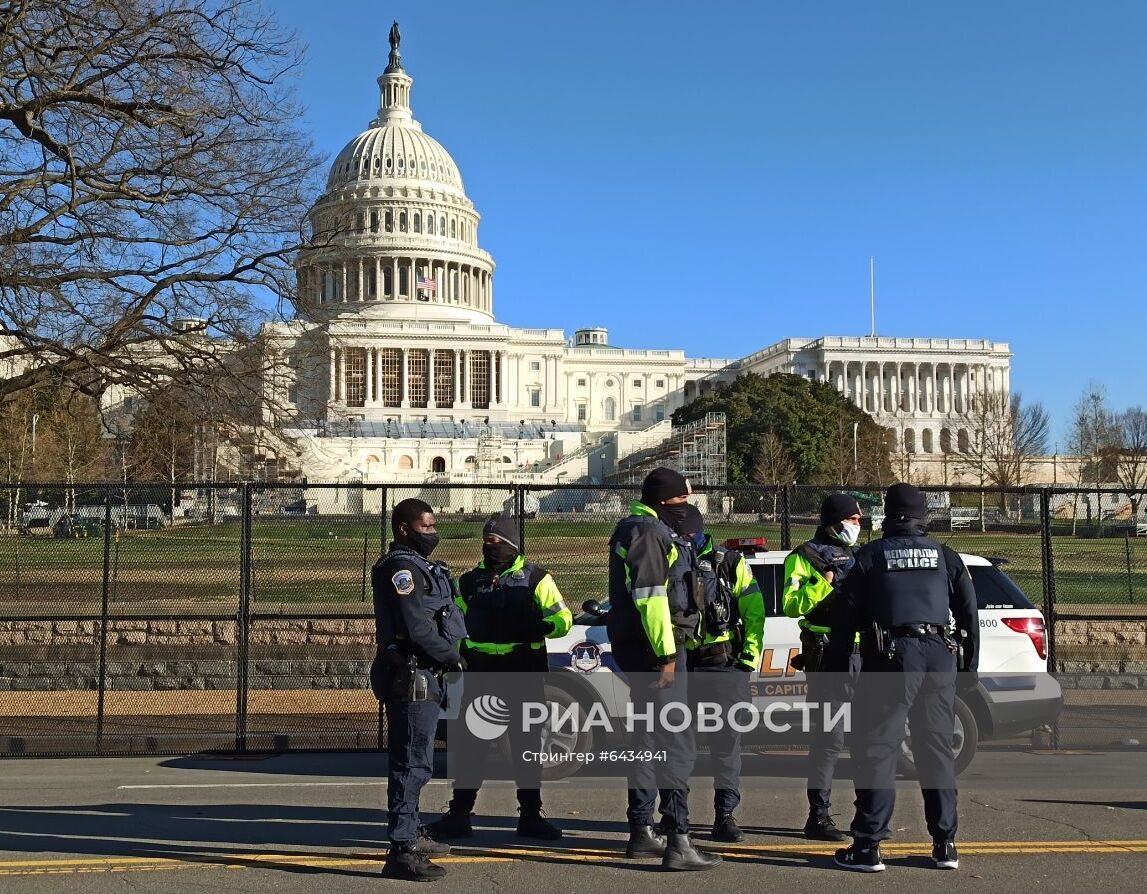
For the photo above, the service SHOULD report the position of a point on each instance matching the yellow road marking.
(296, 859)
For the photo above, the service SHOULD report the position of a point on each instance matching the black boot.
(531, 824)
(427, 846)
(405, 863)
(725, 828)
(822, 828)
(680, 854)
(644, 843)
(452, 824)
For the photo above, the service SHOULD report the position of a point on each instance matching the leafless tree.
(72, 447)
(1000, 440)
(153, 180)
(773, 465)
(1128, 454)
(1091, 437)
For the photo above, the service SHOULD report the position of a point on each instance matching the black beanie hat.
(837, 507)
(663, 484)
(905, 501)
(693, 523)
(506, 527)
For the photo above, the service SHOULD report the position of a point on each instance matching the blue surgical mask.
(699, 540)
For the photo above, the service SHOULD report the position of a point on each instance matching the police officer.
(652, 615)
(899, 597)
(813, 572)
(722, 657)
(419, 629)
(511, 606)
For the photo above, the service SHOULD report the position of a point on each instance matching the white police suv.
(1014, 695)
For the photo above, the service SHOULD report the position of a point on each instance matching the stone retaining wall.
(336, 653)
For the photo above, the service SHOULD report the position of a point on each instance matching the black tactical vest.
(907, 582)
(502, 608)
(438, 603)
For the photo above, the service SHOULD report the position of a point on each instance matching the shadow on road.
(254, 835)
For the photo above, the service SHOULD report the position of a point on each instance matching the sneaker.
(860, 859)
(427, 846)
(451, 824)
(944, 855)
(406, 864)
(725, 828)
(822, 828)
(531, 824)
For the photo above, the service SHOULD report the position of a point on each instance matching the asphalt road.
(1029, 822)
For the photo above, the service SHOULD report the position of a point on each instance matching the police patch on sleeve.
(403, 582)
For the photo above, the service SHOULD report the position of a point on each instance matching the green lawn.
(297, 562)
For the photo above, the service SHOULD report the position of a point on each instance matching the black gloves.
(539, 630)
(966, 680)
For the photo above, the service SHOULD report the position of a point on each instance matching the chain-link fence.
(244, 619)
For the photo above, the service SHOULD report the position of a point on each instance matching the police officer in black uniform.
(419, 628)
(652, 615)
(511, 607)
(899, 596)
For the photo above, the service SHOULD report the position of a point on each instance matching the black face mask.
(497, 556)
(423, 544)
(673, 514)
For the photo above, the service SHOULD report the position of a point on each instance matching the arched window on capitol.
(438, 464)
(404, 463)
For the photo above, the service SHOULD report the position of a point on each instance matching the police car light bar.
(749, 543)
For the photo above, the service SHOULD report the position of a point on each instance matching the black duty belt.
(917, 630)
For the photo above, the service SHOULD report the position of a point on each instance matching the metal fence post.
(382, 521)
(520, 511)
(105, 606)
(1049, 608)
(243, 620)
(786, 518)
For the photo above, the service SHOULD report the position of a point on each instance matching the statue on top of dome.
(395, 61)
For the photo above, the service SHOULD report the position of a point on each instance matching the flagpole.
(872, 293)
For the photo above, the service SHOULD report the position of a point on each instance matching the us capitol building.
(395, 367)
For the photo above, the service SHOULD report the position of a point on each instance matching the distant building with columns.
(395, 366)
(919, 388)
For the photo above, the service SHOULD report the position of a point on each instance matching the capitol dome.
(395, 236)
(395, 152)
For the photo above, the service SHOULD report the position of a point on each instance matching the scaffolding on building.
(696, 450)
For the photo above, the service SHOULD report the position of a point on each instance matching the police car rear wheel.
(563, 742)
(965, 742)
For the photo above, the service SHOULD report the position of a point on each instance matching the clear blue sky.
(714, 176)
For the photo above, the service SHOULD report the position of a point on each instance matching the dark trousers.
(410, 728)
(667, 780)
(527, 684)
(723, 686)
(826, 745)
(917, 684)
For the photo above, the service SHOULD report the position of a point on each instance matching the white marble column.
(332, 386)
(431, 400)
(405, 378)
(464, 379)
(342, 375)
(369, 361)
(456, 397)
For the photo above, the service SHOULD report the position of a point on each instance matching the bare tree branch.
(152, 171)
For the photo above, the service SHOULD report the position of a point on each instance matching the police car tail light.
(747, 544)
(1033, 628)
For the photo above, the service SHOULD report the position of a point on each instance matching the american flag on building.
(427, 285)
